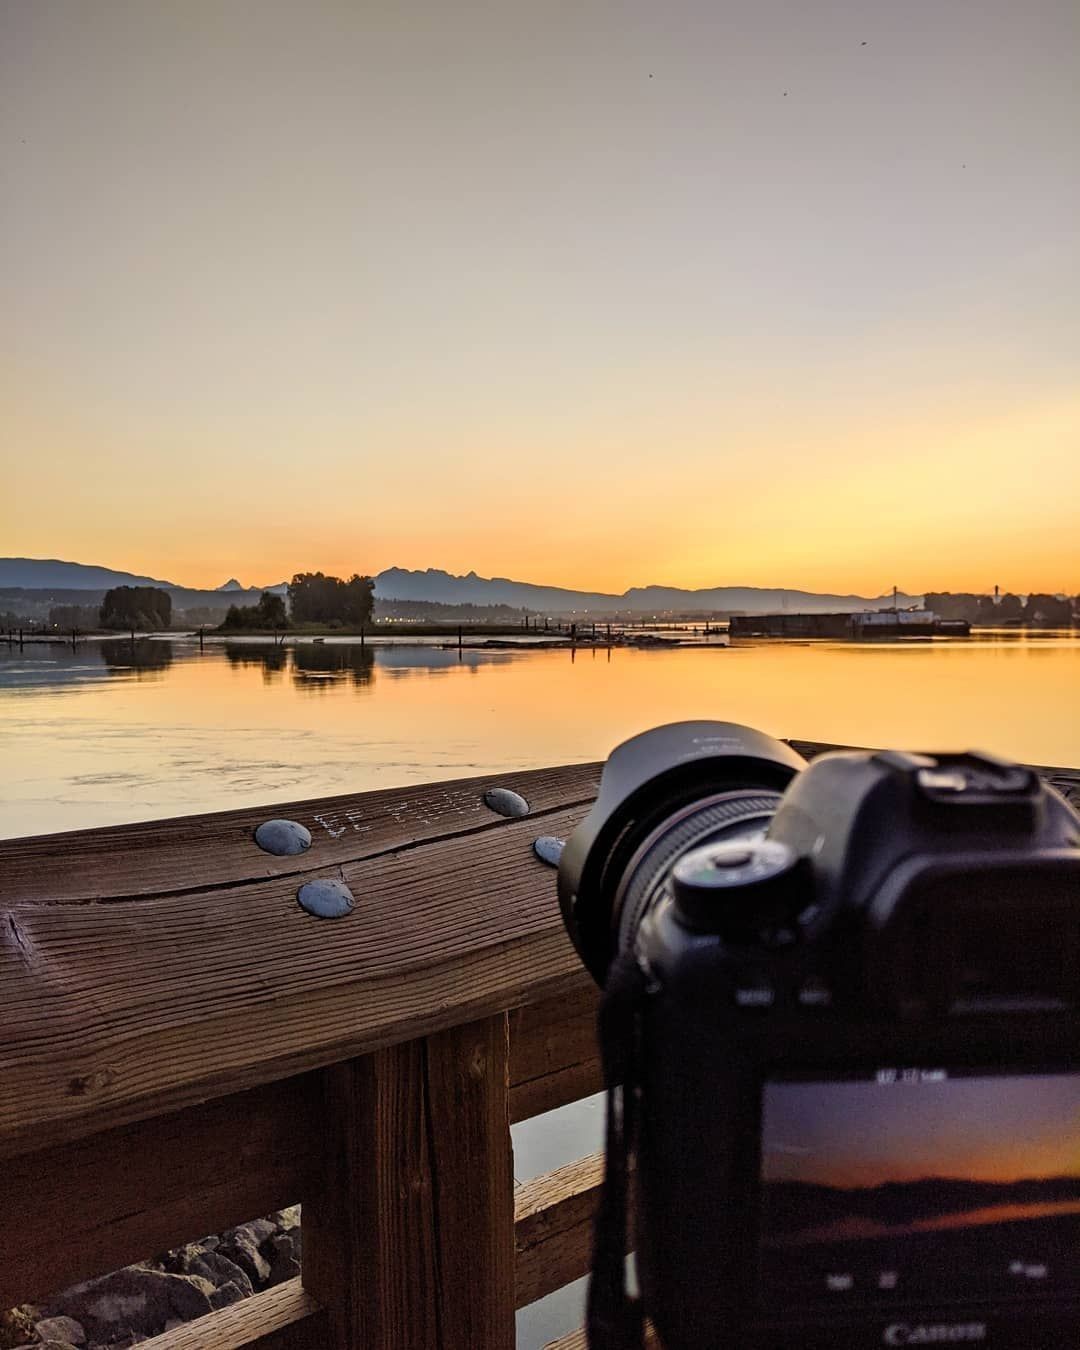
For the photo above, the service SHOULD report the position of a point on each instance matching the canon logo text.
(940, 1333)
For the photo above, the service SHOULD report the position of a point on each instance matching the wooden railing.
(182, 1048)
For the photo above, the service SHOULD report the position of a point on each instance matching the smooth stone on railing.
(506, 802)
(283, 837)
(548, 848)
(325, 898)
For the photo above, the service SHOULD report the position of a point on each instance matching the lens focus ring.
(727, 816)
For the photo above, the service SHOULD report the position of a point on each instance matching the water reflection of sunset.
(857, 1228)
(91, 744)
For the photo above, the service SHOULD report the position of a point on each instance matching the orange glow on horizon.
(950, 506)
(526, 310)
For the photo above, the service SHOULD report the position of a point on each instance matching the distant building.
(871, 624)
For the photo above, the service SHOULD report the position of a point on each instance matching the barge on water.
(885, 623)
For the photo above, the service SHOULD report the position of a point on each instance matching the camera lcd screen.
(920, 1184)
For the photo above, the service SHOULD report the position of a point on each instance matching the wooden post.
(459, 637)
(202, 631)
(409, 1240)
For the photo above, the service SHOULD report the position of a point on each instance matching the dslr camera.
(841, 1035)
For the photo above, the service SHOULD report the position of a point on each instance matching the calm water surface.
(112, 733)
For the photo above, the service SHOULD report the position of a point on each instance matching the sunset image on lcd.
(939, 1186)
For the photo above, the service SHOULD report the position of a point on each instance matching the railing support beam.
(409, 1240)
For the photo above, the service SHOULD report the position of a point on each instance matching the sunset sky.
(979, 1129)
(594, 294)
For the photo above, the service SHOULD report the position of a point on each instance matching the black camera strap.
(614, 1318)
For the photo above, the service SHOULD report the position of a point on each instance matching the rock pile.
(140, 1301)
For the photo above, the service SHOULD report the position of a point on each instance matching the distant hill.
(53, 574)
(397, 583)
(434, 586)
(52, 581)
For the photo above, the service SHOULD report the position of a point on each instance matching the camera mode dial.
(746, 891)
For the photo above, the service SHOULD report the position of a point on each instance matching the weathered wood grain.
(283, 1318)
(97, 1204)
(468, 1072)
(553, 1221)
(194, 974)
(115, 1012)
(198, 852)
(554, 1055)
(409, 1241)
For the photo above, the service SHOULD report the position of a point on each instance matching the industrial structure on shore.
(882, 623)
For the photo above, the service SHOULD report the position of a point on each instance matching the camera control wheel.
(746, 891)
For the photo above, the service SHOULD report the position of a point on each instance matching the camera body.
(858, 1059)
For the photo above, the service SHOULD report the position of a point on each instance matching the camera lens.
(729, 817)
(662, 794)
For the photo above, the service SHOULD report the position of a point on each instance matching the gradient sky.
(595, 294)
(978, 1129)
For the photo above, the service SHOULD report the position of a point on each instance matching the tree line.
(1038, 609)
(132, 607)
(270, 612)
(314, 598)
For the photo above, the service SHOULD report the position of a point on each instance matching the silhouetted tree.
(1011, 607)
(954, 605)
(316, 598)
(1048, 610)
(136, 607)
(359, 598)
(270, 612)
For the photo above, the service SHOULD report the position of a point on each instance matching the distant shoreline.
(490, 637)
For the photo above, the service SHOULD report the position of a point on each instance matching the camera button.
(944, 780)
(756, 994)
(814, 993)
(777, 936)
(731, 857)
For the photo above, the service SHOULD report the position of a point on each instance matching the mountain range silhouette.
(435, 585)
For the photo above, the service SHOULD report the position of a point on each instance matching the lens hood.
(646, 779)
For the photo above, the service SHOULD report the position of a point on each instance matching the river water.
(114, 732)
